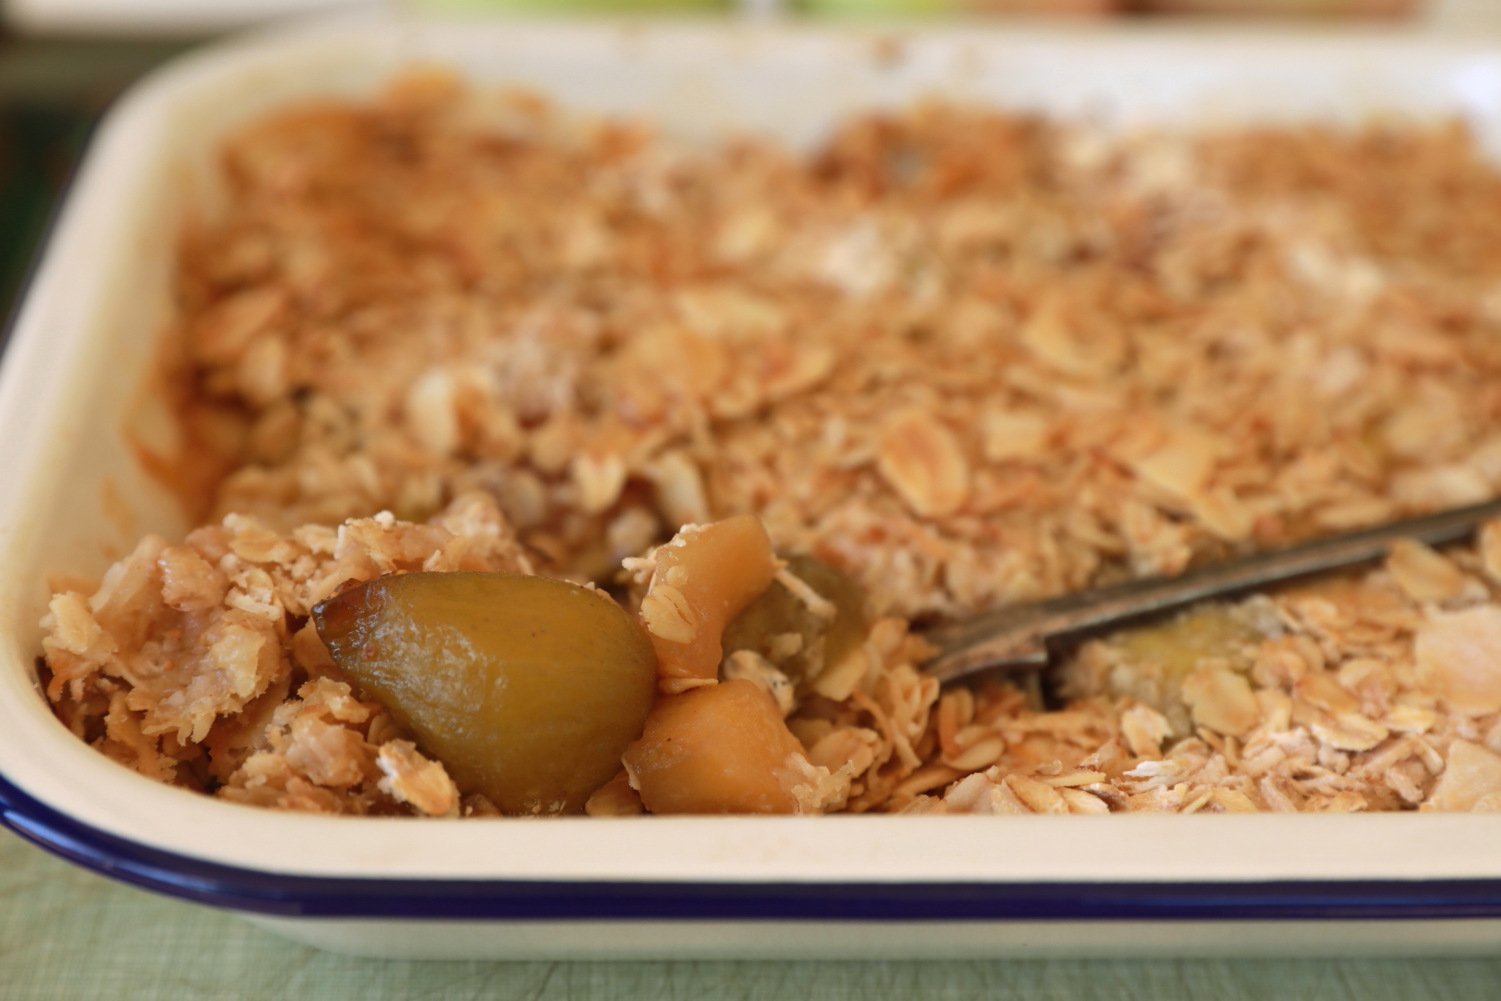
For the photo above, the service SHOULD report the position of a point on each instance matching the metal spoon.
(1018, 637)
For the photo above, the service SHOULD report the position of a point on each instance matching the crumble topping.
(966, 357)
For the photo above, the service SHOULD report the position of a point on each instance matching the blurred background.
(63, 61)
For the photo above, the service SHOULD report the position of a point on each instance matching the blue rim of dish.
(550, 900)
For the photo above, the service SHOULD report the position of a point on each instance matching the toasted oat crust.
(967, 357)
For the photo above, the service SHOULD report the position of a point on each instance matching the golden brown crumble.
(965, 356)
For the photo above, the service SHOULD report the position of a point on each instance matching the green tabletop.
(70, 935)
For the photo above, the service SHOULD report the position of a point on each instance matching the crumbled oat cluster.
(195, 662)
(965, 357)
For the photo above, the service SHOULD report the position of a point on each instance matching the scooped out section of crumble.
(533, 692)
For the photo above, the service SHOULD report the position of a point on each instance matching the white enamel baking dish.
(76, 386)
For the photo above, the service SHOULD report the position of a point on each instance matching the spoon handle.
(1017, 636)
